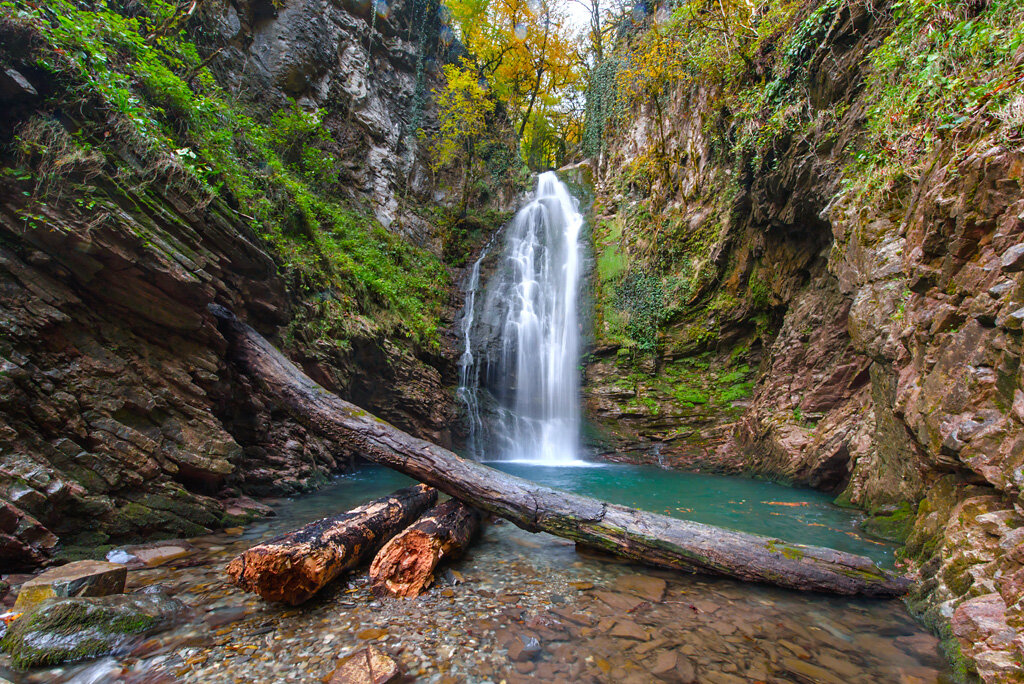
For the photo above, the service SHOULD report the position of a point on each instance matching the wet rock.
(81, 578)
(154, 555)
(627, 629)
(366, 666)
(371, 634)
(795, 649)
(810, 672)
(523, 649)
(664, 663)
(71, 629)
(645, 586)
(718, 677)
(623, 603)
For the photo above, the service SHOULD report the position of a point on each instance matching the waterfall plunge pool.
(512, 586)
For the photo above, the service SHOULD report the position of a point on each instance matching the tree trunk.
(404, 567)
(293, 567)
(640, 536)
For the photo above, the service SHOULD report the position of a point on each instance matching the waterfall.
(522, 339)
(469, 377)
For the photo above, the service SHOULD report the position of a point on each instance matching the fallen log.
(637, 535)
(291, 568)
(404, 567)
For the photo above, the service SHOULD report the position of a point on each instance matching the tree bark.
(404, 567)
(291, 568)
(637, 535)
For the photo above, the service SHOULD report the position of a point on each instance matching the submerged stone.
(365, 666)
(81, 578)
(645, 586)
(70, 629)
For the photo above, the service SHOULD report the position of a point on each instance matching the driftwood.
(404, 567)
(292, 567)
(637, 535)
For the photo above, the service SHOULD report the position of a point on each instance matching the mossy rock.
(895, 527)
(73, 629)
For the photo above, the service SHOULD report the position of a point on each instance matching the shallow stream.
(573, 617)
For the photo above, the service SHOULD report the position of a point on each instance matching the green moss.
(155, 96)
(63, 631)
(895, 526)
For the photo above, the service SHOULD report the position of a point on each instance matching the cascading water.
(520, 364)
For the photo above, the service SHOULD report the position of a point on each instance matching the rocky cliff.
(157, 158)
(781, 290)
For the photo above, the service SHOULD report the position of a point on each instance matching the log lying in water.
(640, 536)
(404, 567)
(293, 567)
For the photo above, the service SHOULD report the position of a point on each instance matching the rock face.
(320, 53)
(881, 342)
(120, 419)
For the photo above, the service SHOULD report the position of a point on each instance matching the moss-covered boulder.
(70, 629)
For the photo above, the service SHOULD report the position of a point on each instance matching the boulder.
(366, 666)
(65, 630)
(81, 578)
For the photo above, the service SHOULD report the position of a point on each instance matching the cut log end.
(404, 567)
(278, 577)
(293, 567)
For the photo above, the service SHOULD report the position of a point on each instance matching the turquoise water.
(512, 587)
(797, 515)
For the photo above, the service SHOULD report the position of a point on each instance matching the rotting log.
(293, 567)
(404, 567)
(637, 535)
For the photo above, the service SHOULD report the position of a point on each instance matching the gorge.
(797, 257)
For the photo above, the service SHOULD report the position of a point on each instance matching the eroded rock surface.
(120, 417)
(882, 341)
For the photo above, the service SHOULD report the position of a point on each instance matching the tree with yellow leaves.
(524, 50)
(463, 109)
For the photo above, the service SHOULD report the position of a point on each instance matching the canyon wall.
(135, 193)
(809, 328)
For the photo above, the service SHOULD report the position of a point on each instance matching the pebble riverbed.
(517, 607)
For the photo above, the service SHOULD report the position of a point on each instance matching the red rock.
(645, 586)
(619, 602)
(627, 629)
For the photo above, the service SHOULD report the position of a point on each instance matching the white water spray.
(522, 342)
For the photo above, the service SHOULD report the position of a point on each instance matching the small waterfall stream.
(519, 370)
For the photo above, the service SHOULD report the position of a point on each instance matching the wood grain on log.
(292, 567)
(638, 535)
(404, 567)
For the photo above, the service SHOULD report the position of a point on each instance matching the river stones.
(645, 586)
(619, 603)
(627, 629)
(81, 578)
(71, 629)
(366, 666)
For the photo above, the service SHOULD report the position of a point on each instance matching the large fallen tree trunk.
(294, 566)
(637, 535)
(404, 567)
